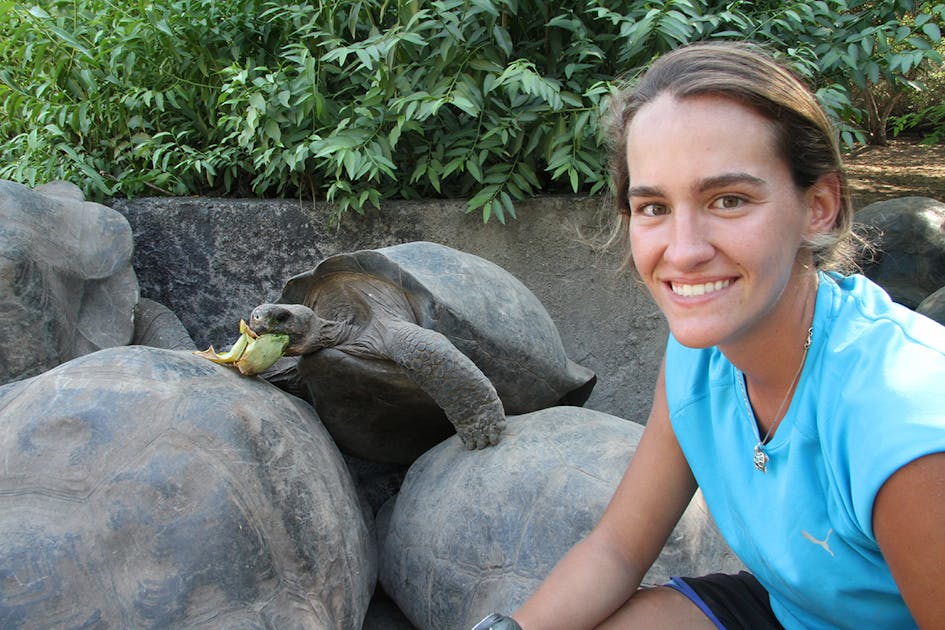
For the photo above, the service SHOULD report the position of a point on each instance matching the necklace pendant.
(761, 458)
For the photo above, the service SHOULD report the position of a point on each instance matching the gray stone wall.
(212, 260)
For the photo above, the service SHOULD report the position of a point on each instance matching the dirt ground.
(905, 168)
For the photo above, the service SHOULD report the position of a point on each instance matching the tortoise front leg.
(454, 382)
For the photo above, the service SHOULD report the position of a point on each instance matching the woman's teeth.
(689, 290)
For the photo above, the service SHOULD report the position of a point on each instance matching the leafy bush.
(922, 112)
(880, 51)
(487, 100)
(930, 122)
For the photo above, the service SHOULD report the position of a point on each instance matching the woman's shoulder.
(864, 329)
(878, 364)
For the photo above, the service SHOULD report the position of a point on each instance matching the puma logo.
(821, 543)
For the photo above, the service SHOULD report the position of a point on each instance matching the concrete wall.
(212, 260)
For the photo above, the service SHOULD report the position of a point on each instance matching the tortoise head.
(307, 331)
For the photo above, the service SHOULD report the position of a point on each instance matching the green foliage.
(357, 101)
(922, 112)
(930, 121)
(877, 50)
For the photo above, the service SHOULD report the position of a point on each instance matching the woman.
(806, 406)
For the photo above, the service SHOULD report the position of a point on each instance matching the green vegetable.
(251, 353)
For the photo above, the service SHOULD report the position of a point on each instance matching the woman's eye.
(728, 202)
(651, 209)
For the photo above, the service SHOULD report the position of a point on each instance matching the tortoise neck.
(330, 332)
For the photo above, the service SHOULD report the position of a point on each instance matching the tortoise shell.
(151, 488)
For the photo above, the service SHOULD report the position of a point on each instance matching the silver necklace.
(760, 456)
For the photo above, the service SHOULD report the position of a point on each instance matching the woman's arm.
(604, 570)
(908, 519)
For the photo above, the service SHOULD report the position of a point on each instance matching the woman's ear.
(823, 202)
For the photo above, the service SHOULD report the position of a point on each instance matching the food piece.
(251, 353)
(261, 353)
(229, 356)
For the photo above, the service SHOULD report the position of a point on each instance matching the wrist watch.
(495, 621)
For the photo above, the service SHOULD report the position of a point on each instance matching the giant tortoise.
(148, 488)
(472, 533)
(397, 341)
(67, 286)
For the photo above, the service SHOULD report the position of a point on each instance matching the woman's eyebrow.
(727, 179)
(645, 191)
(703, 185)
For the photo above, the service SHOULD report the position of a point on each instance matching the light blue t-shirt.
(869, 400)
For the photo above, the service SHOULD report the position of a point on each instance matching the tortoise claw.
(481, 432)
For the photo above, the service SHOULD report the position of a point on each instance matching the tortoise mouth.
(294, 320)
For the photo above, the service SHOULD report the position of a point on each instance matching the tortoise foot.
(483, 429)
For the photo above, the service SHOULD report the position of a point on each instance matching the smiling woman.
(781, 394)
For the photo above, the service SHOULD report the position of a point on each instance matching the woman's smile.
(697, 289)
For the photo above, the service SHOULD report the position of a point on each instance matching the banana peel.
(251, 353)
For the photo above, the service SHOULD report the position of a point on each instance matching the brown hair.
(746, 73)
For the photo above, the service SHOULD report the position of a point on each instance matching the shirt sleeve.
(888, 409)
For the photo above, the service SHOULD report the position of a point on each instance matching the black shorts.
(731, 602)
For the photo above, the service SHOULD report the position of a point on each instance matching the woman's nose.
(689, 241)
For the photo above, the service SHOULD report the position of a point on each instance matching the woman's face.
(716, 221)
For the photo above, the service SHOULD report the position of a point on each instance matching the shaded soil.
(905, 168)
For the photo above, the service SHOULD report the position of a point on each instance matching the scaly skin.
(456, 384)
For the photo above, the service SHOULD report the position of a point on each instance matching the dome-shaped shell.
(148, 488)
(483, 309)
(476, 532)
(909, 235)
(933, 306)
(66, 280)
